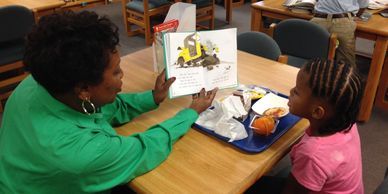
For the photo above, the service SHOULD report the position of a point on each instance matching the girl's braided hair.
(341, 86)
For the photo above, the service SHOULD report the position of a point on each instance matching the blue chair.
(140, 12)
(302, 40)
(16, 21)
(260, 44)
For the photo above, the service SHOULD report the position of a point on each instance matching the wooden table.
(200, 163)
(80, 4)
(39, 7)
(375, 29)
(45, 7)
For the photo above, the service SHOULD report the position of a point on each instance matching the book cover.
(158, 53)
(204, 59)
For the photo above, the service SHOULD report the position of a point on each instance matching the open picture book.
(300, 6)
(203, 59)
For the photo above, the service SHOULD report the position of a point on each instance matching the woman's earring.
(87, 102)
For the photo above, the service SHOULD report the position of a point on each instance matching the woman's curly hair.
(68, 48)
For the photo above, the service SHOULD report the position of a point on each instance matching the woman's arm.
(128, 106)
(101, 160)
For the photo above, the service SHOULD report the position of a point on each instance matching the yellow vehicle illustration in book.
(195, 54)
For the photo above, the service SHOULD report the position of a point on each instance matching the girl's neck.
(315, 126)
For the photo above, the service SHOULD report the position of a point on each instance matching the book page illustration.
(205, 59)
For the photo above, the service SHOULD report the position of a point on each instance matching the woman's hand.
(161, 87)
(203, 100)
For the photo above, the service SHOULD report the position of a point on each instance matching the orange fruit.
(263, 125)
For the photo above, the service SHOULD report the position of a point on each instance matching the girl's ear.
(318, 112)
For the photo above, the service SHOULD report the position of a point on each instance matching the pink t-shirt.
(330, 164)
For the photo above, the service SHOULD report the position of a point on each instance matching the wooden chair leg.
(125, 15)
(212, 17)
(147, 30)
(381, 100)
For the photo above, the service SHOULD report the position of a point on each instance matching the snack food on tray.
(264, 125)
(276, 112)
(253, 91)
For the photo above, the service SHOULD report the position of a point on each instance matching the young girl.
(328, 157)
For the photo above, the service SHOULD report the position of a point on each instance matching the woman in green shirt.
(56, 134)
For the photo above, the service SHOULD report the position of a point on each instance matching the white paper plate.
(270, 101)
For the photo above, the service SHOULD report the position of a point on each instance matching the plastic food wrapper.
(247, 103)
(220, 118)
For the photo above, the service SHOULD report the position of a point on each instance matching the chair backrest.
(304, 39)
(258, 43)
(16, 21)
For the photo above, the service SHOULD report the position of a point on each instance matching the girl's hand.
(203, 100)
(161, 87)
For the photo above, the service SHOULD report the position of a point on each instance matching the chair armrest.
(283, 59)
(332, 46)
(271, 29)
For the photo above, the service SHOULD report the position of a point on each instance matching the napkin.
(220, 118)
(269, 101)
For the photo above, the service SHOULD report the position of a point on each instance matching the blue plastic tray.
(257, 143)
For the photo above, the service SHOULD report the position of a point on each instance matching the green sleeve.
(128, 106)
(109, 160)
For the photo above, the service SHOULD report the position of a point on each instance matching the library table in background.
(39, 7)
(45, 7)
(198, 162)
(375, 29)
